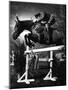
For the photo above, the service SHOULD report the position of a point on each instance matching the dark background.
(25, 11)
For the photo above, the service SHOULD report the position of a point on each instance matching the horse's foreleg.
(36, 66)
(26, 40)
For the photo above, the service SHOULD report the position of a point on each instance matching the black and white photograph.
(37, 44)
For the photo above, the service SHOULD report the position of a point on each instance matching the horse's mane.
(30, 22)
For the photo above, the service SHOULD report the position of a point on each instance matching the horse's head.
(20, 26)
(17, 28)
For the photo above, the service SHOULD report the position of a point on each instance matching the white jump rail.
(49, 75)
(45, 49)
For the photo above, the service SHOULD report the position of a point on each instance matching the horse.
(29, 33)
(37, 32)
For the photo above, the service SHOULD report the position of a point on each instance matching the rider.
(44, 17)
(47, 20)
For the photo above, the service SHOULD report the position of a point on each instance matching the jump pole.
(45, 49)
(26, 80)
(49, 75)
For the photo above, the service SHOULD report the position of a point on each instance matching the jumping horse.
(36, 32)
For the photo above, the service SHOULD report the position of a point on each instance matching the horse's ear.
(17, 19)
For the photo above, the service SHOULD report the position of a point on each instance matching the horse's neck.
(27, 25)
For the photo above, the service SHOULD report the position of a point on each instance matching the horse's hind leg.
(58, 37)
